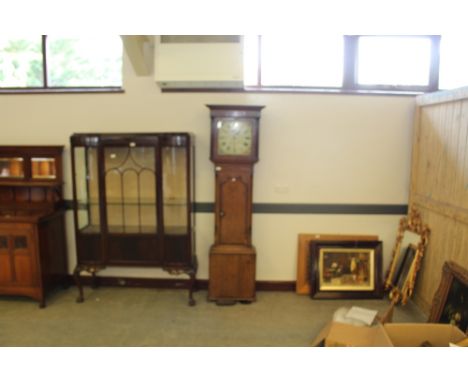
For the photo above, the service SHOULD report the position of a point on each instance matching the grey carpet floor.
(159, 317)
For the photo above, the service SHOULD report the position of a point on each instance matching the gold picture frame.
(449, 304)
(360, 275)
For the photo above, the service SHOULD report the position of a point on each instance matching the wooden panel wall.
(439, 184)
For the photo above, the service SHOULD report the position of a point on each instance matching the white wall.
(314, 148)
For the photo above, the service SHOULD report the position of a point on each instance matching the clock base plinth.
(232, 274)
(223, 302)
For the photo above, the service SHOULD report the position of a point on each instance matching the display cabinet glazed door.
(176, 196)
(12, 167)
(44, 168)
(131, 194)
(87, 210)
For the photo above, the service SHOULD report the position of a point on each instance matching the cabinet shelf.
(30, 183)
(119, 229)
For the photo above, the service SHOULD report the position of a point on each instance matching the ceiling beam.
(140, 51)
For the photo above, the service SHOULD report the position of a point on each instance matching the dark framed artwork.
(303, 255)
(450, 303)
(346, 269)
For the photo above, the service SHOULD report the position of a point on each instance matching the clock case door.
(233, 208)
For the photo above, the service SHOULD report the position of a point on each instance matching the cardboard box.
(340, 334)
(400, 335)
(418, 334)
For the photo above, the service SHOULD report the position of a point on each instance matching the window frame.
(351, 43)
(46, 89)
(350, 84)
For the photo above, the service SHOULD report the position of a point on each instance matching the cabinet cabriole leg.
(94, 282)
(76, 277)
(192, 281)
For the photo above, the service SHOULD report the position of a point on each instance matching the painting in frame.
(346, 269)
(450, 303)
(303, 256)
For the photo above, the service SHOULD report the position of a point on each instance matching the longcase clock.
(234, 151)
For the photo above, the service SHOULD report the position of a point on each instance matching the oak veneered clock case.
(234, 151)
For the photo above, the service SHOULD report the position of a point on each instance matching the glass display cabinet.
(33, 253)
(133, 203)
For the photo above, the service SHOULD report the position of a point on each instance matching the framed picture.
(410, 245)
(346, 269)
(450, 303)
(303, 255)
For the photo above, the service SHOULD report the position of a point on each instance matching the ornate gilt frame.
(450, 271)
(412, 223)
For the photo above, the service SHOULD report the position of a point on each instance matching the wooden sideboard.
(33, 253)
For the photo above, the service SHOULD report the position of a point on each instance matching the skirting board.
(169, 283)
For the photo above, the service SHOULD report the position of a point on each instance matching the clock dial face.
(235, 136)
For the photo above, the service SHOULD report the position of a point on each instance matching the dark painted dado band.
(337, 209)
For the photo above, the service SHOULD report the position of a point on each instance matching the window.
(343, 63)
(59, 62)
(21, 62)
(393, 61)
(311, 61)
(453, 61)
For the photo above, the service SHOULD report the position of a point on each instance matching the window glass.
(393, 60)
(250, 52)
(293, 60)
(21, 62)
(453, 62)
(84, 61)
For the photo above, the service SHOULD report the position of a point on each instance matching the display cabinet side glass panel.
(12, 167)
(43, 168)
(175, 189)
(87, 189)
(130, 183)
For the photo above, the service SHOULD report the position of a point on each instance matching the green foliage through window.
(71, 62)
(21, 62)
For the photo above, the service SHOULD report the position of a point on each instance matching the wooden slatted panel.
(463, 153)
(439, 185)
